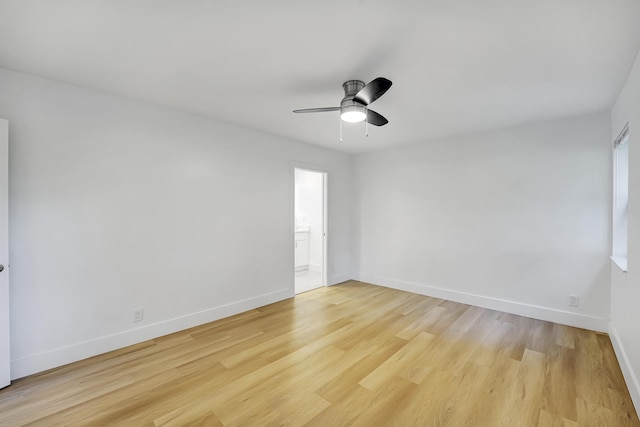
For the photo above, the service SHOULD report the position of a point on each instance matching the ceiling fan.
(354, 107)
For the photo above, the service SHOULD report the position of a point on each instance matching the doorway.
(309, 229)
(5, 357)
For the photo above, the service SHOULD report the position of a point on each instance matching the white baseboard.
(61, 356)
(625, 365)
(578, 320)
(339, 278)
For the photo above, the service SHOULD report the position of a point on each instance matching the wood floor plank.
(522, 407)
(339, 388)
(493, 391)
(560, 383)
(523, 330)
(347, 355)
(548, 419)
(343, 412)
(592, 382)
(429, 317)
(400, 361)
(460, 409)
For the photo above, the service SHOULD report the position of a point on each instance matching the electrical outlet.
(574, 300)
(138, 315)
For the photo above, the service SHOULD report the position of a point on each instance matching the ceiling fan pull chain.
(366, 121)
(340, 129)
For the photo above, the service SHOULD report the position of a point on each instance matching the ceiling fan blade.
(376, 119)
(372, 91)
(317, 110)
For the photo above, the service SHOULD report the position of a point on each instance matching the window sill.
(621, 262)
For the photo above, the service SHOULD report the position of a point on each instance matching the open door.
(310, 229)
(5, 361)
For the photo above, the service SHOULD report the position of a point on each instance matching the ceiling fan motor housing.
(350, 110)
(351, 87)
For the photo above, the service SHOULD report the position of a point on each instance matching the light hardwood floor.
(354, 354)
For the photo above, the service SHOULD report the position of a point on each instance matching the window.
(620, 198)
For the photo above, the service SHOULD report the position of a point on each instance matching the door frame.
(5, 336)
(325, 217)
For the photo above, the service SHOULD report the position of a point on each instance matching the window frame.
(620, 205)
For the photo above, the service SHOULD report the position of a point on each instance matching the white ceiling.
(458, 66)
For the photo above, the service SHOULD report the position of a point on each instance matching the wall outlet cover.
(138, 315)
(574, 300)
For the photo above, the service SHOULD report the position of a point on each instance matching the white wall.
(116, 204)
(309, 207)
(625, 287)
(514, 219)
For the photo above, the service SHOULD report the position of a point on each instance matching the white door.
(5, 376)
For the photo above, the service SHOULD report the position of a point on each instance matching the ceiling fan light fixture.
(353, 116)
(352, 112)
